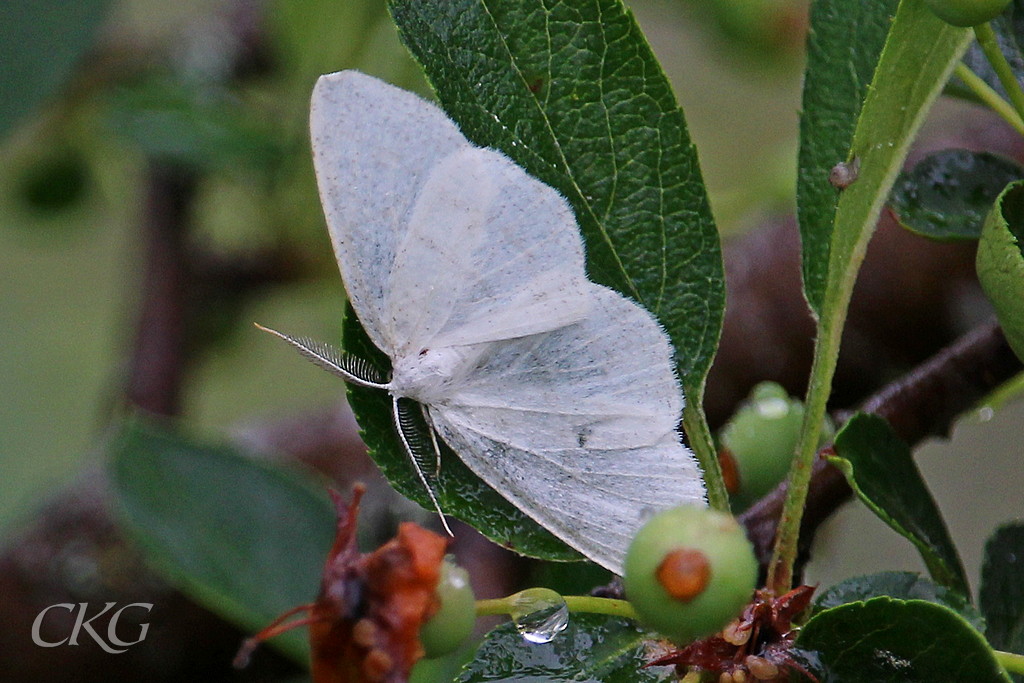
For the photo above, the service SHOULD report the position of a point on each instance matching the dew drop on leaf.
(539, 614)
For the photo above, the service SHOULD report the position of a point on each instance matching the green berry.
(761, 439)
(453, 622)
(967, 12)
(689, 571)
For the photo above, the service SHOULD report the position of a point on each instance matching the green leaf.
(843, 47)
(885, 640)
(592, 648)
(1002, 588)
(189, 124)
(919, 54)
(948, 194)
(41, 41)
(1000, 263)
(881, 470)
(570, 90)
(244, 538)
(900, 585)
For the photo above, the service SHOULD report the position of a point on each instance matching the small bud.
(736, 633)
(967, 13)
(760, 668)
(452, 623)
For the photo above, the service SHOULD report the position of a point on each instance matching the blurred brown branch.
(157, 367)
(188, 291)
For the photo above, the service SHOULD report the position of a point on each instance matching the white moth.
(469, 274)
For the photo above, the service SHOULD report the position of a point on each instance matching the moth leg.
(433, 440)
(412, 439)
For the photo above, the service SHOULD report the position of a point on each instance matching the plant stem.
(990, 46)
(697, 431)
(592, 605)
(576, 603)
(826, 353)
(989, 96)
(1013, 663)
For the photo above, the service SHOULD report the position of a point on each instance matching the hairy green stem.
(990, 46)
(576, 603)
(1013, 663)
(826, 353)
(699, 434)
(989, 96)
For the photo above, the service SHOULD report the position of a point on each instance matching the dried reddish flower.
(364, 625)
(757, 646)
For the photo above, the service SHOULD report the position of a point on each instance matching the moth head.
(427, 375)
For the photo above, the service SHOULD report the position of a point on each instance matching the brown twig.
(180, 285)
(157, 367)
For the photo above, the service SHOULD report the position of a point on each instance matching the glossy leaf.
(881, 470)
(1002, 588)
(592, 648)
(41, 41)
(901, 585)
(948, 194)
(242, 537)
(570, 90)
(885, 640)
(843, 48)
(1000, 263)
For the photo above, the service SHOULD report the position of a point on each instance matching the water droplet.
(985, 413)
(539, 614)
(772, 408)
(890, 661)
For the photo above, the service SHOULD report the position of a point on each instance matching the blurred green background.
(95, 91)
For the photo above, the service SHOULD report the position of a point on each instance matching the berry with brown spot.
(689, 571)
